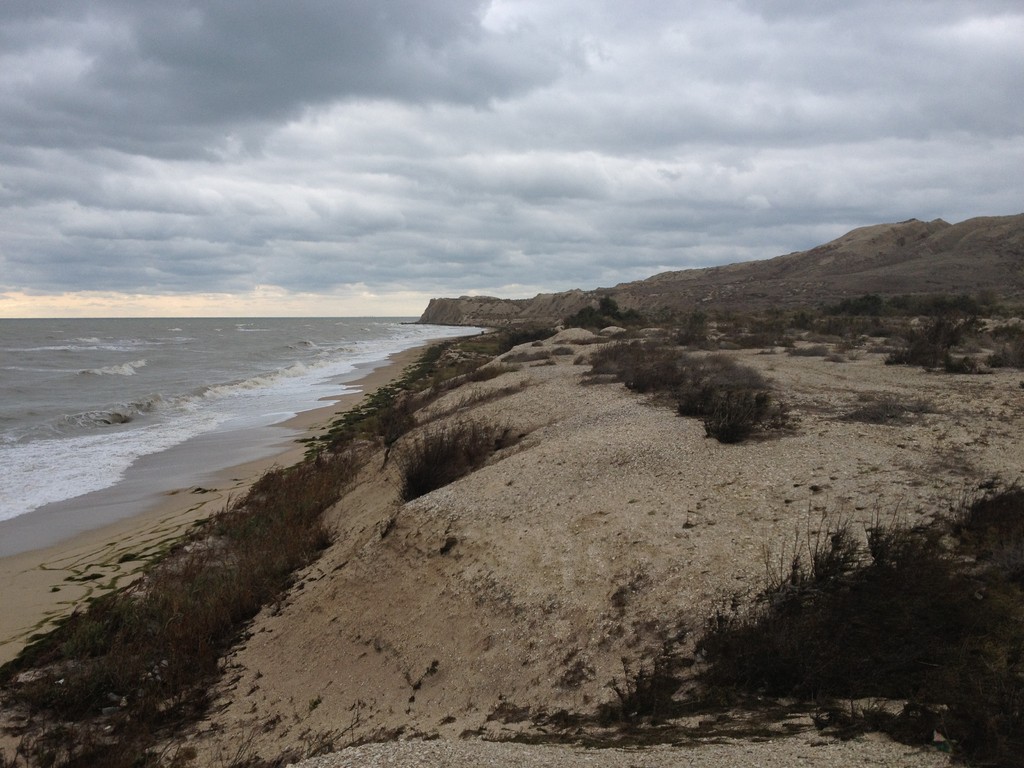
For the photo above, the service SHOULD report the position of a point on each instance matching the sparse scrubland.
(870, 617)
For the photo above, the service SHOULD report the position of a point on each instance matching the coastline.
(45, 583)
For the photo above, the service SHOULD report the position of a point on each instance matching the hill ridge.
(984, 253)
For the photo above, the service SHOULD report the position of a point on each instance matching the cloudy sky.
(352, 157)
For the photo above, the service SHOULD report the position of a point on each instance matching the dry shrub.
(734, 415)
(694, 331)
(888, 409)
(526, 357)
(992, 526)
(143, 657)
(963, 364)
(1009, 355)
(444, 454)
(642, 366)
(733, 400)
(815, 350)
(647, 688)
(1007, 342)
(900, 617)
(930, 345)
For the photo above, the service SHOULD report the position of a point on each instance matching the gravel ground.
(783, 753)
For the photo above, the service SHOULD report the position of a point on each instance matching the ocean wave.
(261, 381)
(44, 471)
(107, 345)
(57, 456)
(124, 369)
(107, 417)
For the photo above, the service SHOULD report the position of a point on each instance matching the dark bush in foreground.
(899, 617)
(646, 690)
(733, 416)
(444, 454)
(992, 527)
(141, 659)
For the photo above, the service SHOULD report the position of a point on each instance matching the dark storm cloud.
(159, 77)
(506, 147)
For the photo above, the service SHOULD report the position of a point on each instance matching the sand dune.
(519, 589)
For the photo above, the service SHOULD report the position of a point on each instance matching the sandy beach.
(74, 561)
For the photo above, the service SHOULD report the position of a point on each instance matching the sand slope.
(520, 588)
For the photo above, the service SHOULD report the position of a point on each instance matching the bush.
(642, 366)
(816, 350)
(693, 332)
(992, 526)
(962, 364)
(869, 304)
(508, 338)
(731, 416)
(733, 400)
(898, 617)
(888, 410)
(606, 313)
(157, 645)
(1008, 355)
(930, 345)
(442, 455)
(942, 305)
(646, 690)
(526, 357)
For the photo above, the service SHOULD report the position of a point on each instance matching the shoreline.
(45, 583)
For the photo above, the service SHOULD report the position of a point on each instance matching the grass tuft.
(445, 453)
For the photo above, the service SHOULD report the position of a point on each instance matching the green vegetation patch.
(606, 313)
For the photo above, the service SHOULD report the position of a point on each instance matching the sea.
(89, 404)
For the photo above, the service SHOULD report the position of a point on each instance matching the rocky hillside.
(912, 257)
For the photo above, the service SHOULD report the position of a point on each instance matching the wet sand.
(62, 559)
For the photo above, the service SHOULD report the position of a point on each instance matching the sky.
(358, 157)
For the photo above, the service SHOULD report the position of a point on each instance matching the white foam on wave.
(73, 423)
(51, 469)
(56, 469)
(122, 347)
(124, 369)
